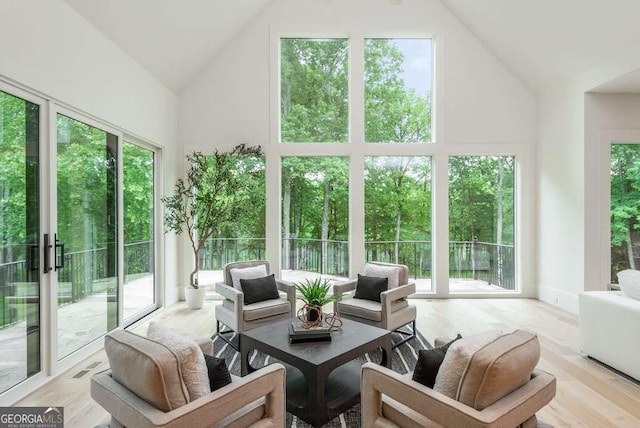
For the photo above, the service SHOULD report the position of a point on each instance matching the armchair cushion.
(367, 309)
(429, 362)
(266, 308)
(499, 368)
(147, 368)
(370, 287)
(384, 271)
(259, 271)
(218, 372)
(259, 289)
(456, 360)
(190, 356)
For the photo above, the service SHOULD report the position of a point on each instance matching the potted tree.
(206, 201)
(314, 294)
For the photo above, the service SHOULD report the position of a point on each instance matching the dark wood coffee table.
(323, 378)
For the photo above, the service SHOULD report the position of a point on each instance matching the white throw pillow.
(390, 272)
(254, 272)
(629, 281)
(190, 357)
(457, 359)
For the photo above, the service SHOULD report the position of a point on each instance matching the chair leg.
(408, 334)
(222, 334)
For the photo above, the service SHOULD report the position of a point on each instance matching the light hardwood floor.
(587, 393)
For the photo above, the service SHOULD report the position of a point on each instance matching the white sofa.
(610, 330)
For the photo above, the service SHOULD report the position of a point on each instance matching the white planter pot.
(194, 297)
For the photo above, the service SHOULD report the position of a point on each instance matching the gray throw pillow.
(259, 289)
(370, 287)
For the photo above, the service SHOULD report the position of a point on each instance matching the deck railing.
(483, 261)
(84, 273)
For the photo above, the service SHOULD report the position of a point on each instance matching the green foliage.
(137, 183)
(625, 207)
(85, 176)
(314, 90)
(315, 291)
(477, 198)
(212, 196)
(393, 112)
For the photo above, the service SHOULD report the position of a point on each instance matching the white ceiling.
(546, 41)
(541, 41)
(172, 39)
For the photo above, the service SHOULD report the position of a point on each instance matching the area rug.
(403, 360)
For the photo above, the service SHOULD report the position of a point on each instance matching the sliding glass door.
(20, 291)
(139, 224)
(86, 247)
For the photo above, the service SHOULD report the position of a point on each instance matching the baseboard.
(559, 298)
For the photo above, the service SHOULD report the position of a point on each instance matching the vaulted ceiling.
(542, 41)
(172, 39)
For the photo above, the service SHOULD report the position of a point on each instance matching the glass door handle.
(59, 256)
(32, 258)
(46, 256)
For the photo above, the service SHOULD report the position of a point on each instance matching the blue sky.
(417, 63)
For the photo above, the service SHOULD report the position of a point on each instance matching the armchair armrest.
(510, 410)
(400, 292)
(211, 410)
(343, 288)
(388, 297)
(229, 292)
(290, 289)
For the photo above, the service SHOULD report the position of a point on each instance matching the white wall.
(479, 103)
(47, 47)
(560, 196)
(572, 207)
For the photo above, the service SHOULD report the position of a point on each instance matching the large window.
(314, 90)
(398, 214)
(315, 217)
(481, 223)
(397, 90)
(371, 102)
(625, 208)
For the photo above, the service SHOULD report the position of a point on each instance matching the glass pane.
(398, 75)
(315, 217)
(481, 223)
(625, 208)
(87, 223)
(19, 241)
(398, 214)
(314, 87)
(138, 188)
(245, 238)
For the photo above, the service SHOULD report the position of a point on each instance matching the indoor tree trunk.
(193, 278)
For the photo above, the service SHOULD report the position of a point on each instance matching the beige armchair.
(393, 311)
(155, 394)
(239, 317)
(390, 399)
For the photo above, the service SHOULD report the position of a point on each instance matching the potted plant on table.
(205, 202)
(315, 294)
